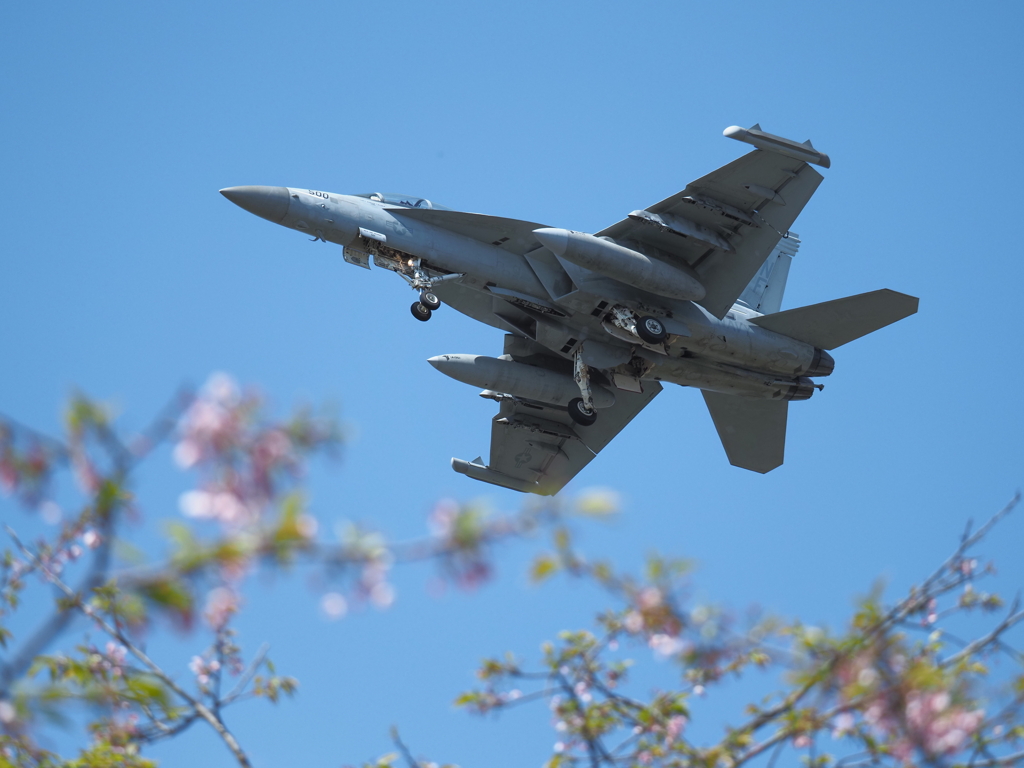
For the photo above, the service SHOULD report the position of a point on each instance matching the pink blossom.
(222, 506)
(308, 526)
(674, 729)
(51, 512)
(221, 604)
(272, 447)
(665, 645)
(8, 475)
(92, 539)
(211, 424)
(334, 605)
(116, 653)
(85, 473)
(442, 518)
(382, 595)
(199, 669)
(634, 622)
(650, 597)
(187, 453)
(843, 725)
(802, 741)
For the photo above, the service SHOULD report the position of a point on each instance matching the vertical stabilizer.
(764, 294)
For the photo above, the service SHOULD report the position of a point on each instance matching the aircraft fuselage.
(532, 298)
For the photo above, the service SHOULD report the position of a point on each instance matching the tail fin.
(833, 323)
(753, 432)
(764, 294)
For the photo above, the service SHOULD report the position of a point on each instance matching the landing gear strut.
(581, 409)
(422, 282)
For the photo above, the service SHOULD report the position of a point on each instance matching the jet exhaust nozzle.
(822, 365)
(801, 389)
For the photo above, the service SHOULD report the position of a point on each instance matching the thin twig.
(413, 762)
(1013, 617)
(201, 709)
(247, 675)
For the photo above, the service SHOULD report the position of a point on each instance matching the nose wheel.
(421, 281)
(429, 300)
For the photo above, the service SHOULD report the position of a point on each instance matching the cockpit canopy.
(405, 201)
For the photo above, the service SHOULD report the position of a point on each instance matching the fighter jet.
(687, 291)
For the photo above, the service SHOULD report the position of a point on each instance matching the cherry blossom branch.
(246, 677)
(198, 707)
(1014, 616)
(125, 460)
(58, 622)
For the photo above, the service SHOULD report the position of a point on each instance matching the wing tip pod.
(772, 143)
(487, 475)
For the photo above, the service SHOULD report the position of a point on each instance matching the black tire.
(651, 330)
(577, 414)
(420, 312)
(429, 300)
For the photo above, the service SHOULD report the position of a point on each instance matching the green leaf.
(543, 568)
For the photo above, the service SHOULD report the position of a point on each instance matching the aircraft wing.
(509, 234)
(753, 432)
(538, 449)
(724, 225)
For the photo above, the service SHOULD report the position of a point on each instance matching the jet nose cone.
(270, 203)
(555, 240)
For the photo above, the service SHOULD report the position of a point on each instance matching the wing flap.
(833, 323)
(753, 432)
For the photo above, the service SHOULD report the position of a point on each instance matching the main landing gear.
(651, 330)
(581, 409)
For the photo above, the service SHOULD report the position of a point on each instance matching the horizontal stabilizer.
(833, 323)
(753, 432)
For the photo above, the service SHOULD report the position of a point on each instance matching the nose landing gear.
(422, 282)
(420, 312)
(429, 300)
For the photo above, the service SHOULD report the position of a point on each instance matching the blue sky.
(124, 273)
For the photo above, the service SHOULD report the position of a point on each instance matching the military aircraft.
(687, 291)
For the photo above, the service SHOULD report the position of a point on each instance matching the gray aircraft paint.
(709, 265)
